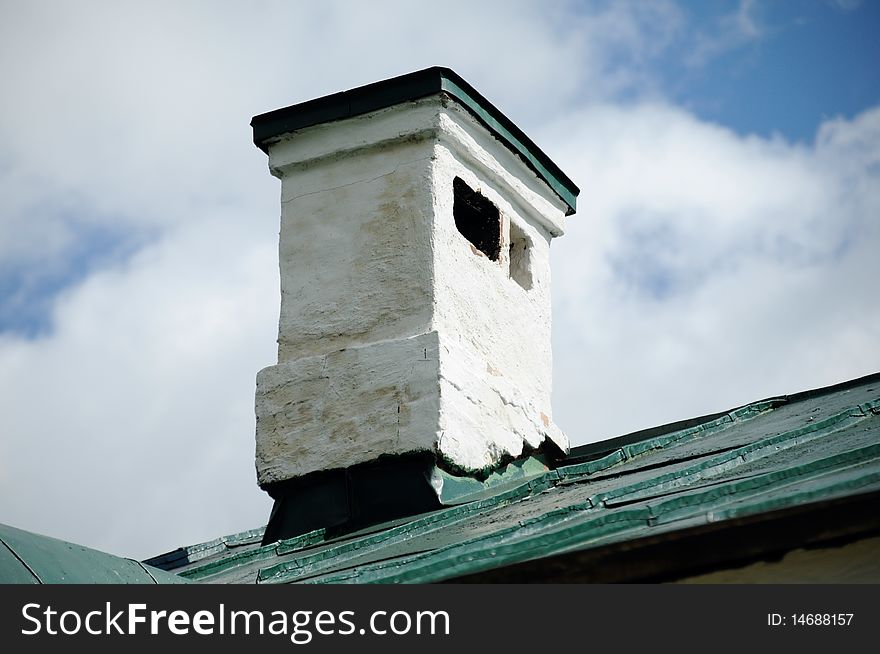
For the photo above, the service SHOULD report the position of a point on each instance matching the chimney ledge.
(435, 81)
(429, 118)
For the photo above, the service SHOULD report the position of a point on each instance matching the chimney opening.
(520, 257)
(477, 219)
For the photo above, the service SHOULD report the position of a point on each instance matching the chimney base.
(427, 393)
(347, 499)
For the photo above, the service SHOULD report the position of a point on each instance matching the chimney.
(414, 336)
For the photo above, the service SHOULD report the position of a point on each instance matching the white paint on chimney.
(396, 334)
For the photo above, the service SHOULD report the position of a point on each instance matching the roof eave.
(683, 553)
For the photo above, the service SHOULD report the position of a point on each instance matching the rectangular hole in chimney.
(477, 219)
(520, 257)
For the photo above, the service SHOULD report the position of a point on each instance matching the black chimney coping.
(405, 88)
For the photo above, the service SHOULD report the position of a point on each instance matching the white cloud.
(137, 113)
(132, 424)
(703, 269)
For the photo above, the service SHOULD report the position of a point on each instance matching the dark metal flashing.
(344, 500)
(406, 88)
(873, 378)
(593, 451)
(183, 556)
(675, 555)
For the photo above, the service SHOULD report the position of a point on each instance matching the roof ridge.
(598, 449)
(203, 550)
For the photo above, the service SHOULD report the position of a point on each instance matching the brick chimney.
(414, 335)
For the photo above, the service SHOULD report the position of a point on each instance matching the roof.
(405, 88)
(28, 558)
(779, 473)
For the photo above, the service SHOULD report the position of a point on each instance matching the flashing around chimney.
(346, 500)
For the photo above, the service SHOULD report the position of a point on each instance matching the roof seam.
(792, 500)
(711, 427)
(145, 569)
(21, 560)
(728, 460)
(759, 483)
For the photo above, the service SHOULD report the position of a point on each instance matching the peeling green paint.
(458, 488)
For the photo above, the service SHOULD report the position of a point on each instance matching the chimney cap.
(405, 88)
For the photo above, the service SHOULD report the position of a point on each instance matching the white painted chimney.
(415, 282)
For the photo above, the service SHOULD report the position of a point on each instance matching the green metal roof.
(28, 558)
(406, 88)
(769, 459)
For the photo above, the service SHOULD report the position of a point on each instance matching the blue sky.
(726, 236)
(803, 63)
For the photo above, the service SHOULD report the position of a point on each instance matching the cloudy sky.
(726, 246)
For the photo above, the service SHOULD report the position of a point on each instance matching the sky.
(725, 247)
